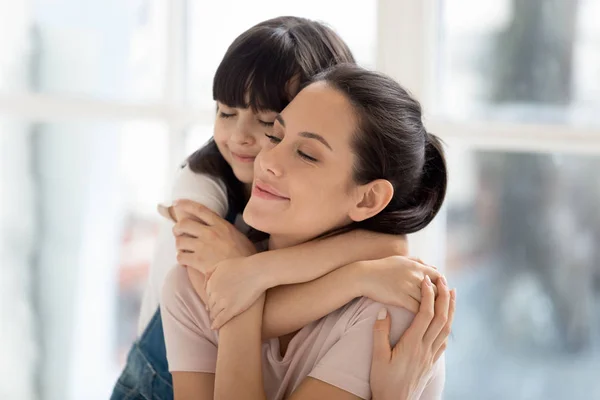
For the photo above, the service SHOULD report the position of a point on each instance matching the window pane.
(523, 234)
(222, 22)
(113, 50)
(197, 137)
(79, 223)
(534, 60)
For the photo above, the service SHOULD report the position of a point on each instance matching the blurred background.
(100, 101)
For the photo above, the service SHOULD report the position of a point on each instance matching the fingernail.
(427, 280)
(382, 314)
(453, 294)
(443, 280)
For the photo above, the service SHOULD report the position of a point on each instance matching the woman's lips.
(243, 158)
(266, 192)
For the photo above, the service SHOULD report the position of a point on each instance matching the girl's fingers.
(185, 259)
(442, 305)
(167, 211)
(185, 243)
(200, 211)
(416, 259)
(408, 302)
(445, 332)
(191, 228)
(420, 324)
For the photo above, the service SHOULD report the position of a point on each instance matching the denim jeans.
(146, 375)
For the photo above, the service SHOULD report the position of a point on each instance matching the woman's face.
(303, 176)
(238, 134)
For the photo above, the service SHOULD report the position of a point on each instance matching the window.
(530, 61)
(510, 86)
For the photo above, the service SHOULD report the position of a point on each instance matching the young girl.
(260, 73)
(349, 152)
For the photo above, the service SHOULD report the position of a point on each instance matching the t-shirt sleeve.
(347, 365)
(191, 344)
(187, 184)
(202, 188)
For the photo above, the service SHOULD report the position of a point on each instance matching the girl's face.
(238, 133)
(303, 176)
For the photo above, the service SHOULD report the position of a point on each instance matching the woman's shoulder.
(178, 296)
(363, 310)
(177, 284)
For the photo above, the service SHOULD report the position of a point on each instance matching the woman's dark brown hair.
(257, 71)
(391, 143)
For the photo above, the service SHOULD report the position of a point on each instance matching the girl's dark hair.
(391, 143)
(257, 71)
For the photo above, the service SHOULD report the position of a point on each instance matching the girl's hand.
(232, 288)
(203, 238)
(405, 370)
(396, 281)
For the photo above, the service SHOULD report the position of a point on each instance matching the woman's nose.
(268, 159)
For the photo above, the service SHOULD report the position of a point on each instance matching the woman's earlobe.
(372, 198)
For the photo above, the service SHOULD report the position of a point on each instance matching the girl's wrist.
(269, 275)
(359, 275)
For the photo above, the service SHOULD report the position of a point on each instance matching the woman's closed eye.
(272, 138)
(306, 156)
(275, 140)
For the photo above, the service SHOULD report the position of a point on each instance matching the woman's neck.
(283, 241)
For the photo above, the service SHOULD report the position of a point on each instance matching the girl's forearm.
(314, 259)
(289, 308)
(239, 365)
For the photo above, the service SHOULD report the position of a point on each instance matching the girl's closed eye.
(226, 115)
(267, 124)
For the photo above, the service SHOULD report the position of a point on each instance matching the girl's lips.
(243, 158)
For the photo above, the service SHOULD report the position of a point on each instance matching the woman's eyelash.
(273, 139)
(306, 156)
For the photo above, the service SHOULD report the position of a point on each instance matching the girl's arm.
(393, 280)
(236, 283)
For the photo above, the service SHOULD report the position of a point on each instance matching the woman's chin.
(258, 219)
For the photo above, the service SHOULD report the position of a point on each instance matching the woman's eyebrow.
(311, 135)
(308, 135)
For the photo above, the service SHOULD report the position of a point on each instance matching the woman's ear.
(371, 199)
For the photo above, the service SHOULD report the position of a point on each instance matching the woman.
(349, 152)
(258, 76)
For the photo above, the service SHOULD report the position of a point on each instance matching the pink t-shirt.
(336, 349)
